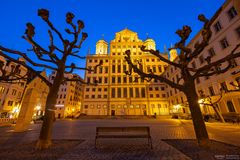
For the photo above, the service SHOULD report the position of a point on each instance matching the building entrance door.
(113, 113)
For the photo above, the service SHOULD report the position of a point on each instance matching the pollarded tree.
(54, 58)
(188, 74)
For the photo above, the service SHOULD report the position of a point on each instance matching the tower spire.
(165, 48)
(147, 35)
(88, 52)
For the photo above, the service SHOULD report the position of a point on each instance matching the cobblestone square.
(123, 148)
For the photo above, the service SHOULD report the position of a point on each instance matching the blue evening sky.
(159, 18)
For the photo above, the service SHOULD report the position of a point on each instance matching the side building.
(117, 93)
(30, 93)
(225, 36)
(11, 94)
(69, 99)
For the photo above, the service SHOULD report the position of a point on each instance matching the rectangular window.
(131, 92)
(119, 79)
(224, 86)
(154, 69)
(211, 52)
(106, 69)
(124, 68)
(232, 13)
(119, 92)
(143, 94)
(136, 79)
(125, 93)
(100, 69)
(14, 92)
(148, 69)
(124, 79)
(238, 31)
(137, 92)
(113, 79)
(119, 68)
(211, 91)
(88, 79)
(10, 103)
(224, 43)
(105, 80)
(100, 80)
(89, 69)
(217, 26)
(113, 92)
(160, 69)
(130, 79)
(113, 68)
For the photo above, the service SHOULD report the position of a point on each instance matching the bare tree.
(207, 101)
(186, 83)
(53, 58)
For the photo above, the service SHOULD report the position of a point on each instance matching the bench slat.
(123, 129)
(124, 132)
(123, 136)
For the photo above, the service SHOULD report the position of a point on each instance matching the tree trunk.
(45, 138)
(218, 114)
(198, 122)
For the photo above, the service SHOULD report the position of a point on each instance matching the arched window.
(230, 106)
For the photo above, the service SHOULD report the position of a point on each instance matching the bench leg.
(96, 143)
(150, 140)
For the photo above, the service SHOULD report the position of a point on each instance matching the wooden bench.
(123, 132)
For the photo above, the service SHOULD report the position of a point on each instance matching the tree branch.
(28, 67)
(230, 56)
(157, 54)
(151, 75)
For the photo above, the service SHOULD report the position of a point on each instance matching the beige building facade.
(226, 35)
(11, 94)
(69, 99)
(117, 93)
